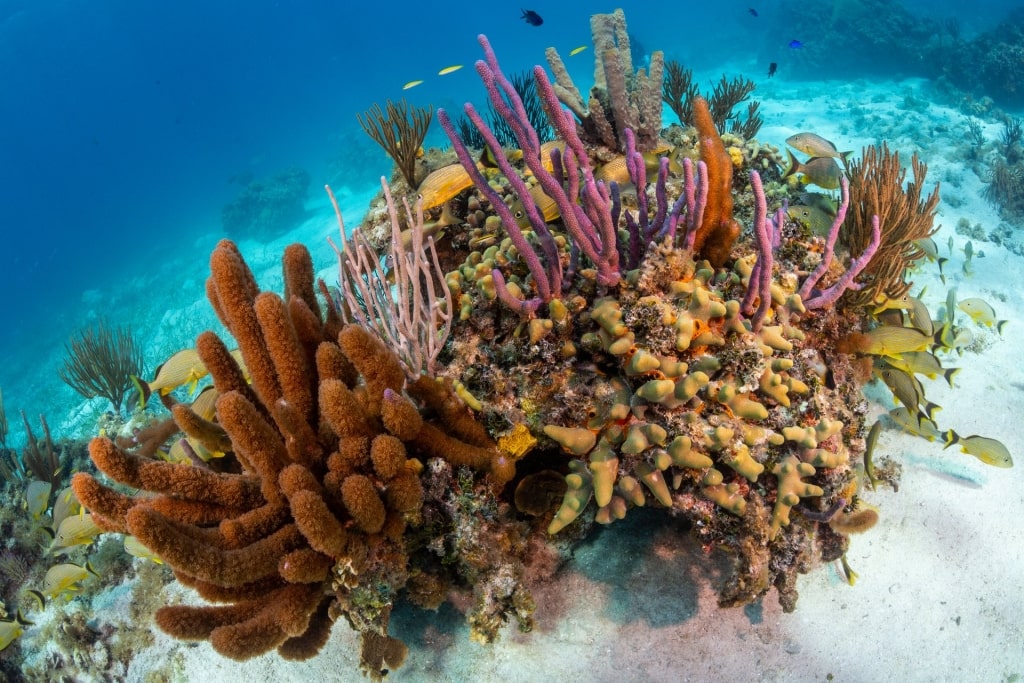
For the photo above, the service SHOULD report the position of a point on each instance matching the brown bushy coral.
(326, 478)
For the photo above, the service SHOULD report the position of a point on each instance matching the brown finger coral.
(325, 481)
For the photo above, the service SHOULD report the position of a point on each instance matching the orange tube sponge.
(362, 502)
(227, 375)
(404, 493)
(342, 411)
(718, 231)
(388, 456)
(211, 435)
(304, 566)
(400, 416)
(102, 502)
(297, 265)
(287, 354)
(236, 290)
(318, 525)
(309, 643)
(331, 363)
(174, 543)
(378, 365)
(256, 443)
(183, 481)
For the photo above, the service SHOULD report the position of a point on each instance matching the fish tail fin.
(38, 596)
(89, 568)
(929, 408)
(949, 373)
(20, 618)
(845, 157)
(144, 391)
(951, 438)
(793, 167)
(1000, 324)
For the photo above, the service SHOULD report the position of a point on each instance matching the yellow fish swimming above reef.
(821, 171)
(816, 219)
(892, 341)
(63, 579)
(443, 184)
(37, 497)
(981, 312)
(915, 423)
(78, 529)
(134, 547)
(12, 629)
(449, 69)
(814, 145)
(184, 367)
(989, 451)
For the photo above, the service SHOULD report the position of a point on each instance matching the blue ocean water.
(126, 127)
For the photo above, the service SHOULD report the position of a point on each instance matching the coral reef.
(263, 206)
(988, 65)
(449, 430)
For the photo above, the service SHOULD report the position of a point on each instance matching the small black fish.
(795, 44)
(772, 68)
(531, 17)
(753, 12)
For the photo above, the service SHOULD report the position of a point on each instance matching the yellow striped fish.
(443, 184)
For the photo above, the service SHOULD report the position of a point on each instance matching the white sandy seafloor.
(940, 594)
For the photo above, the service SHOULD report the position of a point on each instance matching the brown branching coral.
(42, 458)
(400, 131)
(100, 361)
(620, 98)
(327, 447)
(679, 90)
(877, 189)
(725, 95)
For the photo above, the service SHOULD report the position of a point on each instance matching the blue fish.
(795, 44)
(531, 17)
(753, 12)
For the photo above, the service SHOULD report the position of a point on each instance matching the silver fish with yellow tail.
(821, 171)
(547, 207)
(64, 579)
(981, 312)
(814, 145)
(892, 341)
(815, 219)
(915, 423)
(989, 451)
(134, 547)
(73, 531)
(37, 498)
(923, 363)
(184, 367)
(907, 390)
